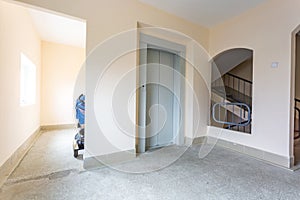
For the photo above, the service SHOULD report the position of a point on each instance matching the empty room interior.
(148, 99)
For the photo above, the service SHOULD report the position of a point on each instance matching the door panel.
(152, 110)
(159, 102)
(165, 135)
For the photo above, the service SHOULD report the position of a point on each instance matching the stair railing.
(244, 114)
(239, 115)
(297, 120)
(242, 85)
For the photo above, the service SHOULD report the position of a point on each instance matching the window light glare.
(27, 81)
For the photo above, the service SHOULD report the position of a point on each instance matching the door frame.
(146, 41)
(293, 94)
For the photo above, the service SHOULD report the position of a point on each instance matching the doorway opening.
(295, 100)
(161, 94)
(42, 69)
(160, 100)
(56, 81)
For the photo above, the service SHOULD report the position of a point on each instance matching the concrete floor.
(49, 171)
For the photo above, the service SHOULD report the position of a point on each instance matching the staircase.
(228, 60)
(232, 103)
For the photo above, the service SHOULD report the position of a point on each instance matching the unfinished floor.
(49, 171)
(297, 152)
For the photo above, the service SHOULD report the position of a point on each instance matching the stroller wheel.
(75, 153)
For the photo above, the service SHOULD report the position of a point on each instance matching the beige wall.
(60, 67)
(267, 30)
(17, 35)
(105, 19)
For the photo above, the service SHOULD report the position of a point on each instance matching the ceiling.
(69, 31)
(59, 29)
(204, 12)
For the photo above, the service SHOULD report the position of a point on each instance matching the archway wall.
(267, 29)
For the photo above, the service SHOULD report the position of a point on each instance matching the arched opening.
(231, 90)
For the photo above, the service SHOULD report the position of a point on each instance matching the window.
(27, 82)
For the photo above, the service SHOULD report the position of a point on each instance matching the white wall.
(103, 135)
(267, 30)
(17, 36)
(201, 87)
(60, 67)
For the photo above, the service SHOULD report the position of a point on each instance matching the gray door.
(159, 98)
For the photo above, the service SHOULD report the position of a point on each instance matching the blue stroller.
(78, 143)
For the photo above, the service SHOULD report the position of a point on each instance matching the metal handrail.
(247, 109)
(232, 126)
(237, 77)
(239, 97)
(241, 85)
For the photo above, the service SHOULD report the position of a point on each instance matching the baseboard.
(13, 161)
(198, 140)
(109, 159)
(265, 156)
(57, 127)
